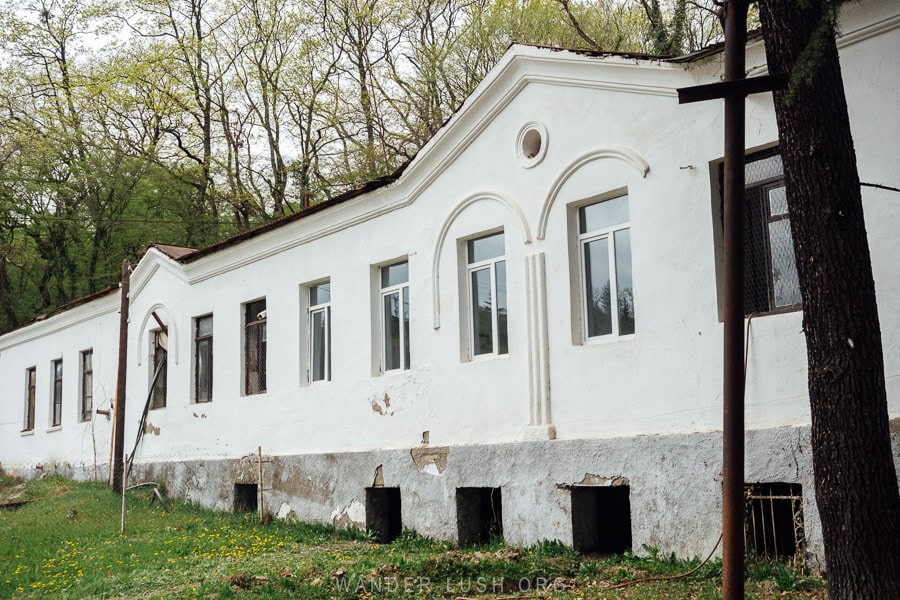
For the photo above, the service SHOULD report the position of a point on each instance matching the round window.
(531, 144)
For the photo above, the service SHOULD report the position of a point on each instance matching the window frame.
(261, 365)
(581, 242)
(56, 392)
(30, 398)
(86, 396)
(489, 264)
(385, 291)
(312, 310)
(198, 339)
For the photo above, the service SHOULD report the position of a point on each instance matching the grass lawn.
(65, 543)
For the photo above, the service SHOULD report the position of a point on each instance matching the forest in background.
(126, 122)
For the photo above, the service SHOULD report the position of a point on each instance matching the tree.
(855, 480)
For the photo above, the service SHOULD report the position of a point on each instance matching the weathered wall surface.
(674, 481)
(645, 406)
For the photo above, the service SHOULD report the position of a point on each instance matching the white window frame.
(491, 264)
(324, 308)
(385, 292)
(584, 239)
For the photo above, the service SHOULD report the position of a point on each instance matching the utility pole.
(119, 410)
(733, 90)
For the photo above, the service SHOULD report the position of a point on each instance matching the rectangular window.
(395, 316)
(56, 412)
(203, 358)
(770, 278)
(604, 241)
(255, 347)
(486, 276)
(320, 332)
(158, 364)
(30, 388)
(87, 384)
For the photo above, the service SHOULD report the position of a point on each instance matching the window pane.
(490, 246)
(603, 215)
(502, 341)
(204, 326)
(255, 356)
(319, 349)
(482, 327)
(87, 385)
(320, 294)
(255, 310)
(204, 356)
(762, 169)
(596, 270)
(391, 307)
(394, 274)
(786, 286)
(406, 328)
(778, 201)
(624, 294)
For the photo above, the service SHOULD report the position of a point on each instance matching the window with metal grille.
(774, 520)
(56, 412)
(486, 275)
(395, 316)
(320, 332)
(87, 384)
(203, 358)
(30, 387)
(255, 347)
(604, 238)
(770, 275)
(159, 368)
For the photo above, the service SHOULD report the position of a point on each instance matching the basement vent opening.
(479, 515)
(246, 496)
(383, 513)
(774, 521)
(601, 519)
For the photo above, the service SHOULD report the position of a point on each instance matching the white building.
(565, 175)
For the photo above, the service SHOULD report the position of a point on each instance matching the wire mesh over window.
(87, 384)
(57, 393)
(770, 276)
(255, 347)
(159, 370)
(774, 520)
(203, 359)
(31, 383)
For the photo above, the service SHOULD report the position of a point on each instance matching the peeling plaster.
(382, 407)
(590, 479)
(354, 515)
(285, 512)
(430, 460)
(379, 477)
(149, 428)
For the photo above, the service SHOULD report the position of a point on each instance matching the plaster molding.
(868, 31)
(171, 324)
(538, 342)
(146, 269)
(510, 205)
(63, 320)
(619, 153)
(515, 72)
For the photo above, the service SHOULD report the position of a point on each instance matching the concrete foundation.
(674, 484)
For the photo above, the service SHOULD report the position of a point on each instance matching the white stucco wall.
(78, 444)
(666, 378)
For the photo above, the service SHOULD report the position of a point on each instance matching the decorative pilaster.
(540, 425)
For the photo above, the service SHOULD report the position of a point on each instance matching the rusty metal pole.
(733, 385)
(119, 411)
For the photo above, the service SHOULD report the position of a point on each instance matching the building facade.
(520, 334)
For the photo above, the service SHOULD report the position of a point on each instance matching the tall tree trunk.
(856, 484)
